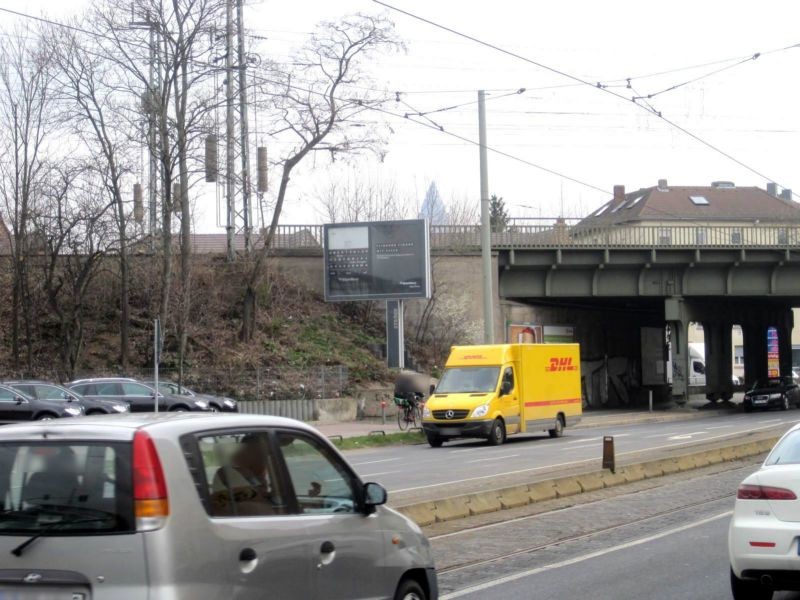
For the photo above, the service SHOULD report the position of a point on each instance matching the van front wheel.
(498, 433)
(558, 428)
(435, 441)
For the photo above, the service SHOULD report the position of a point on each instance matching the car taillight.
(764, 492)
(151, 504)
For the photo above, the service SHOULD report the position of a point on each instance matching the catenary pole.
(486, 241)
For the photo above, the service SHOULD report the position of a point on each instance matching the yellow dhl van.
(495, 391)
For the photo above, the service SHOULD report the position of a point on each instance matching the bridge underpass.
(609, 293)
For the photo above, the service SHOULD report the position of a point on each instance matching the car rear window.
(787, 451)
(65, 488)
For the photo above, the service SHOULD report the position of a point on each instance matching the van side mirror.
(374, 495)
(505, 387)
(431, 389)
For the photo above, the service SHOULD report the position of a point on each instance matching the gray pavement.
(408, 471)
(668, 542)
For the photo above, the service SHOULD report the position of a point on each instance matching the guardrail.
(555, 233)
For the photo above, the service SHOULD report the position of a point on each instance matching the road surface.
(413, 468)
(667, 543)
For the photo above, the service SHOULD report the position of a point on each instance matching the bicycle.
(409, 413)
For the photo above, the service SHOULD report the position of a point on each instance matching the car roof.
(29, 382)
(102, 379)
(167, 425)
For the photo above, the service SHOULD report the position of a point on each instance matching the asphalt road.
(667, 543)
(419, 467)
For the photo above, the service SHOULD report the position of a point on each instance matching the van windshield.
(65, 488)
(458, 380)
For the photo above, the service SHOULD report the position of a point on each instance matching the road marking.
(686, 436)
(579, 462)
(579, 559)
(492, 458)
(719, 427)
(770, 421)
(372, 462)
(584, 441)
(466, 450)
(376, 474)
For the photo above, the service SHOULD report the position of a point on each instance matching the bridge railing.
(558, 233)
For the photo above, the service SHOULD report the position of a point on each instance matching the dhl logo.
(560, 364)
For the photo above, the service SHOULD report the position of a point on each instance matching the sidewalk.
(596, 418)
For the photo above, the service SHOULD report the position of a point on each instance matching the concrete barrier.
(459, 507)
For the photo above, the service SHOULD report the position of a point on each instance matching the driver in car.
(244, 487)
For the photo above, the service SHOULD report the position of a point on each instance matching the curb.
(459, 507)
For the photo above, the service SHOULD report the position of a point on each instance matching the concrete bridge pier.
(719, 360)
(755, 351)
(784, 324)
(677, 318)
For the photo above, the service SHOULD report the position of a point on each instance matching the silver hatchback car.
(188, 506)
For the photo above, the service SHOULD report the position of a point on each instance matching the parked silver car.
(188, 506)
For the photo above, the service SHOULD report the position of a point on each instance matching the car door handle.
(327, 548)
(247, 555)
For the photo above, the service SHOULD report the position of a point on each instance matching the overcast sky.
(749, 111)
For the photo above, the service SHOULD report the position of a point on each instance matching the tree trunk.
(249, 308)
(125, 308)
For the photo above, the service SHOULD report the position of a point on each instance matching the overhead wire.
(596, 85)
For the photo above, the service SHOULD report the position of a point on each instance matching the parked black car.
(44, 390)
(215, 403)
(16, 406)
(139, 396)
(776, 392)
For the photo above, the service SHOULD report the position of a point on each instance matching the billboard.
(773, 353)
(381, 260)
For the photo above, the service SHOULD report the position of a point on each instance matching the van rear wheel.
(558, 428)
(497, 435)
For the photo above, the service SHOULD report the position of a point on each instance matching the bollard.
(608, 453)
(383, 412)
(650, 400)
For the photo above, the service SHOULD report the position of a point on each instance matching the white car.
(764, 535)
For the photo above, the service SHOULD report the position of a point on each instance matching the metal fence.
(566, 233)
(258, 384)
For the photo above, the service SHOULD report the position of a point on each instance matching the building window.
(738, 355)
(699, 200)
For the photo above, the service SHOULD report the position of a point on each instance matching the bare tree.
(318, 104)
(178, 104)
(26, 109)
(75, 229)
(97, 118)
(353, 198)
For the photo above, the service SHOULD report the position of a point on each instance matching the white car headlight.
(73, 411)
(775, 396)
(120, 408)
(426, 413)
(481, 411)
(201, 404)
(229, 403)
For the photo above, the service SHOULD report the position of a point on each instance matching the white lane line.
(720, 427)
(579, 559)
(466, 450)
(372, 462)
(376, 474)
(579, 462)
(492, 458)
(770, 421)
(584, 441)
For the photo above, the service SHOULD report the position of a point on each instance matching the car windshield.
(786, 452)
(65, 488)
(53, 392)
(468, 379)
(767, 383)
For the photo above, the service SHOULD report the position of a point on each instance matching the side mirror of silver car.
(374, 495)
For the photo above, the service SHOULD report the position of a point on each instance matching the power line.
(597, 85)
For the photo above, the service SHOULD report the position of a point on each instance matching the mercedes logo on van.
(32, 578)
(449, 414)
